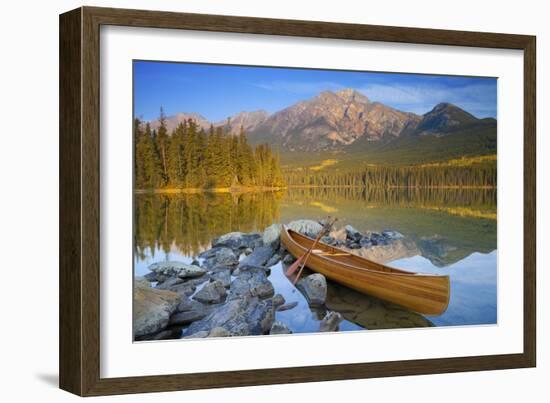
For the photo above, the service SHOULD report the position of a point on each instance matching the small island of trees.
(193, 158)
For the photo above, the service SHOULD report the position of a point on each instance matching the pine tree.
(162, 141)
(175, 162)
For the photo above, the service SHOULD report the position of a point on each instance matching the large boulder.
(211, 293)
(272, 235)
(238, 240)
(176, 269)
(223, 275)
(251, 281)
(220, 256)
(187, 304)
(184, 287)
(187, 317)
(169, 282)
(314, 288)
(239, 317)
(258, 257)
(306, 227)
(152, 309)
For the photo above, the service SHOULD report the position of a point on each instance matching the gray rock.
(288, 306)
(211, 293)
(272, 235)
(219, 332)
(354, 245)
(220, 257)
(279, 328)
(247, 251)
(258, 257)
(306, 227)
(314, 288)
(261, 315)
(152, 309)
(240, 317)
(151, 276)
(251, 281)
(179, 269)
(187, 304)
(185, 318)
(352, 233)
(209, 253)
(278, 300)
(330, 322)
(224, 276)
(183, 289)
(242, 269)
(365, 243)
(238, 240)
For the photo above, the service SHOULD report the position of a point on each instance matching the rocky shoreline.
(226, 290)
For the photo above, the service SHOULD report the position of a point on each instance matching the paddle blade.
(294, 266)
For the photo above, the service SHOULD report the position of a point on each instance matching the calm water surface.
(446, 232)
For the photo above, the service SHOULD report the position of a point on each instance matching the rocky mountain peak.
(247, 120)
(443, 118)
(351, 95)
(331, 120)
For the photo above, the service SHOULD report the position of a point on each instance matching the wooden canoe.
(427, 294)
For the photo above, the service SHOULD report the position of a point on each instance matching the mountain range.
(348, 125)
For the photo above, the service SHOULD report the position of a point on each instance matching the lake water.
(447, 231)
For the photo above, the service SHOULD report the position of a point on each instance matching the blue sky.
(219, 91)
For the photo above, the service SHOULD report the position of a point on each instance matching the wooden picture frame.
(80, 199)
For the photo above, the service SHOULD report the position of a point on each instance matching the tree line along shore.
(192, 159)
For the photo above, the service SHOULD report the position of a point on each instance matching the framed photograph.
(250, 201)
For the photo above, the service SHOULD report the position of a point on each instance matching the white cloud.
(479, 99)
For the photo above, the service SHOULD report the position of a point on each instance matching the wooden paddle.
(301, 261)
